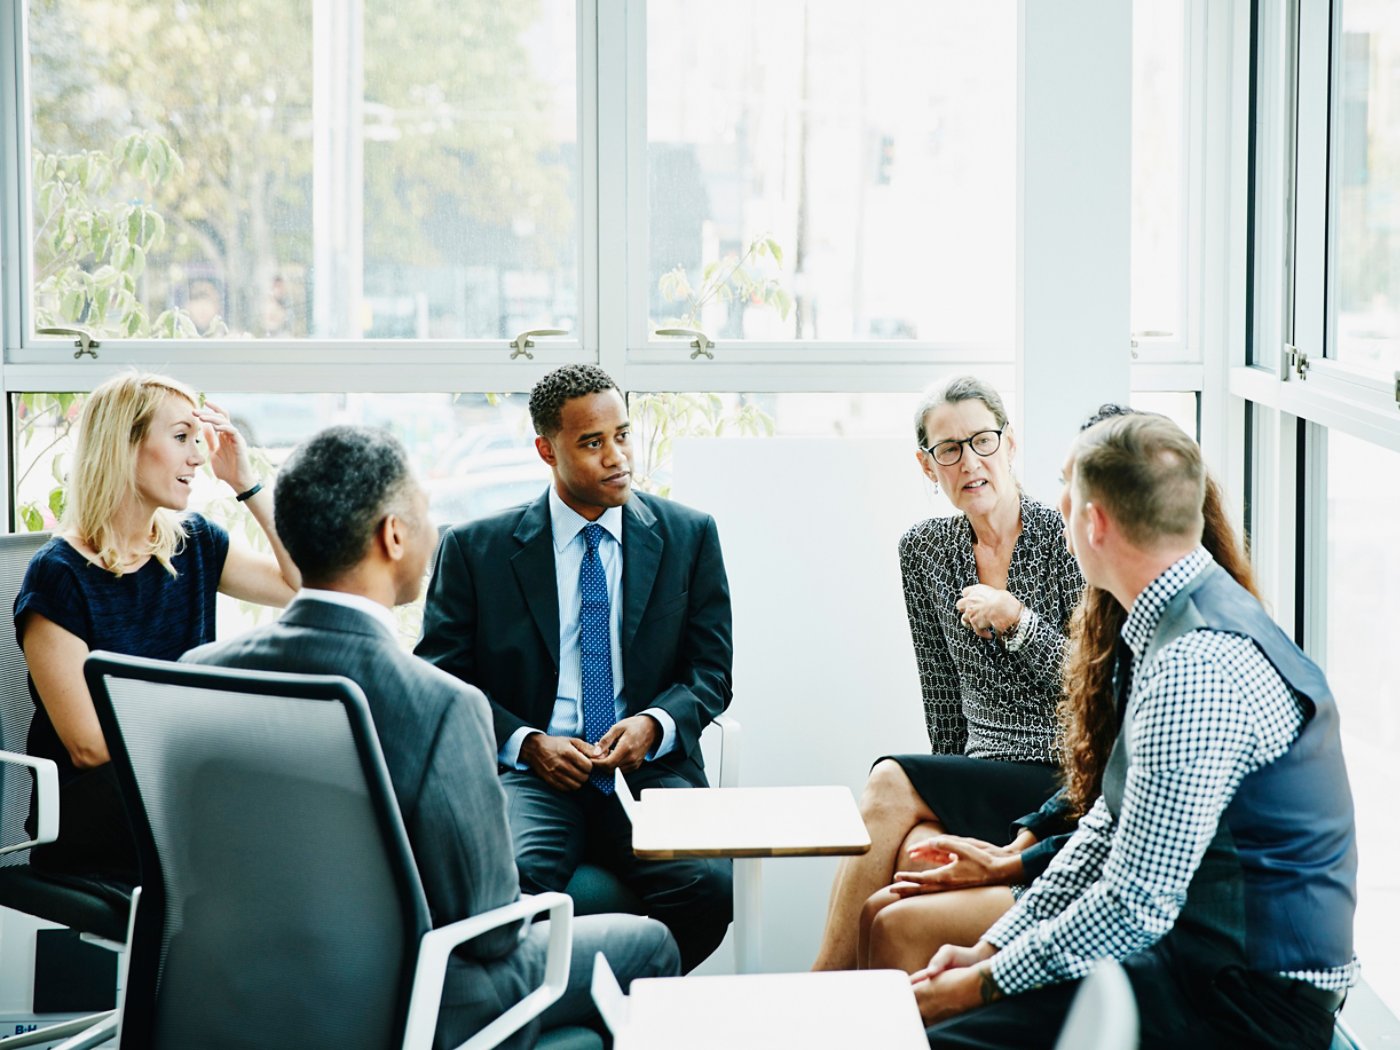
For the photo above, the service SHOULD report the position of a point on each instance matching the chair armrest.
(46, 805)
(730, 736)
(436, 948)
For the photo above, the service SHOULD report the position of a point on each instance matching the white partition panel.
(824, 675)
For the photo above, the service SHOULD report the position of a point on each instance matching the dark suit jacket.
(492, 618)
(436, 736)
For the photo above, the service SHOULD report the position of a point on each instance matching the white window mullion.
(590, 176)
(1311, 213)
(631, 230)
(1273, 187)
(15, 174)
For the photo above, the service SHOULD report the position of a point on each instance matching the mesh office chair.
(280, 903)
(95, 908)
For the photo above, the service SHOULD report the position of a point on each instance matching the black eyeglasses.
(984, 443)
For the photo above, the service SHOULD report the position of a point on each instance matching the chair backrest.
(16, 708)
(280, 902)
(1104, 1014)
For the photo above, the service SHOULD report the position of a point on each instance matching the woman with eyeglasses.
(989, 593)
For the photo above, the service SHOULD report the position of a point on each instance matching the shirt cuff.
(510, 754)
(668, 733)
(1035, 859)
(1016, 968)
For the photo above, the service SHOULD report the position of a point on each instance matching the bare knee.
(889, 796)
(888, 940)
(872, 907)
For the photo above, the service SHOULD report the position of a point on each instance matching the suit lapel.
(534, 570)
(641, 557)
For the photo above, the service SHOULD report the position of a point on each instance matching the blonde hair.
(116, 419)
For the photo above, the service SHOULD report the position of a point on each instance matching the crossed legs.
(896, 816)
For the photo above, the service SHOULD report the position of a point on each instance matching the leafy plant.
(90, 251)
(659, 419)
(91, 244)
(728, 280)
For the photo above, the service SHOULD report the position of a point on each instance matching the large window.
(1363, 588)
(1366, 167)
(288, 168)
(824, 171)
(1159, 110)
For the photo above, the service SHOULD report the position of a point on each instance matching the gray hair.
(963, 388)
(332, 494)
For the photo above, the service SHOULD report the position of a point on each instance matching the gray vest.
(1277, 885)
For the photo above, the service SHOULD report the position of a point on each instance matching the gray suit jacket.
(438, 745)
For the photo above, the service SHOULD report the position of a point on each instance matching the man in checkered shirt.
(1219, 865)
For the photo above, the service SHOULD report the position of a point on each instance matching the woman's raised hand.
(228, 452)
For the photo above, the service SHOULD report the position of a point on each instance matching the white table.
(814, 1011)
(747, 824)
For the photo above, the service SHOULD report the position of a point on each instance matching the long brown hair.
(1088, 710)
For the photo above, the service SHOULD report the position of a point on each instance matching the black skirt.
(978, 797)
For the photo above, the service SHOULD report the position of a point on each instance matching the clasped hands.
(565, 763)
(955, 980)
(962, 862)
(988, 611)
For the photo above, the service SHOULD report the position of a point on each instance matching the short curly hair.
(561, 385)
(333, 492)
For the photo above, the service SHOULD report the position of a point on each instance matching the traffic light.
(884, 161)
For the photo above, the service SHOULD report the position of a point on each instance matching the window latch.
(84, 341)
(522, 342)
(1295, 359)
(700, 342)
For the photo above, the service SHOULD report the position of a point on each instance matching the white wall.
(824, 674)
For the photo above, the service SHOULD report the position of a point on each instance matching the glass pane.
(473, 452)
(1180, 406)
(1363, 606)
(832, 171)
(659, 420)
(1366, 244)
(1159, 89)
(304, 168)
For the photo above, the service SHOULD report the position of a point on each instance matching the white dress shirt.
(570, 547)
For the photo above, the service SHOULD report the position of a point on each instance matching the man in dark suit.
(356, 523)
(596, 621)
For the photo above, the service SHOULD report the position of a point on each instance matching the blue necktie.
(595, 651)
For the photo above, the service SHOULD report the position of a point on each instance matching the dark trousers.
(1202, 1007)
(555, 831)
(94, 836)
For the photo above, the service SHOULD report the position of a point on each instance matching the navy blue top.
(143, 613)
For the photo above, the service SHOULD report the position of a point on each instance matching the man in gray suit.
(356, 523)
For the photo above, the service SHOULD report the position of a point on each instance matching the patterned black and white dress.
(990, 710)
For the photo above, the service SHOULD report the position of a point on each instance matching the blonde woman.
(129, 572)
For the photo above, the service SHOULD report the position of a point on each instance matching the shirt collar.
(568, 523)
(1147, 609)
(368, 606)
